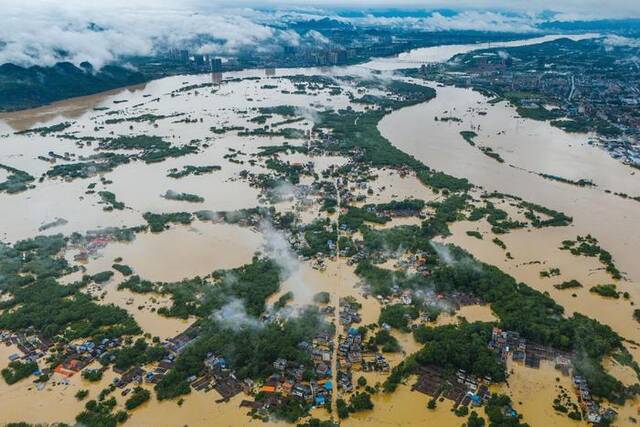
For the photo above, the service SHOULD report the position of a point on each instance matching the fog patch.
(448, 257)
(284, 190)
(208, 215)
(613, 41)
(278, 249)
(443, 252)
(234, 316)
(309, 114)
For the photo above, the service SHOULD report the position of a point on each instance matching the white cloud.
(466, 20)
(48, 31)
(616, 41)
(44, 33)
(317, 37)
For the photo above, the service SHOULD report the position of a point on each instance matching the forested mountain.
(33, 86)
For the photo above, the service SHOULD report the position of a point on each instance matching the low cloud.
(463, 21)
(44, 32)
(619, 41)
(317, 37)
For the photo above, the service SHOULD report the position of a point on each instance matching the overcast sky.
(44, 32)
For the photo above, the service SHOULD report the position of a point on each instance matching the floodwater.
(414, 58)
(532, 392)
(537, 251)
(182, 251)
(404, 408)
(68, 109)
(22, 402)
(469, 313)
(531, 147)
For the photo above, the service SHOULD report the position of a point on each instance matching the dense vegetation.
(356, 133)
(183, 197)
(109, 199)
(152, 149)
(192, 170)
(17, 180)
(29, 270)
(140, 353)
(608, 290)
(260, 347)
(251, 283)
(588, 246)
(138, 397)
(398, 316)
(125, 270)
(18, 370)
(536, 317)
(45, 130)
(459, 347)
(100, 413)
(158, 222)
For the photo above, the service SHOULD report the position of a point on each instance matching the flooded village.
(310, 246)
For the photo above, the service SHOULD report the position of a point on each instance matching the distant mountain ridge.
(28, 87)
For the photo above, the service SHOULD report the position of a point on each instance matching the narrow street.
(335, 297)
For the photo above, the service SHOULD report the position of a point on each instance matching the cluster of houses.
(417, 262)
(463, 389)
(510, 343)
(93, 241)
(174, 347)
(289, 380)
(77, 356)
(348, 313)
(599, 97)
(351, 353)
(133, 375)
(32, 347)
(350, 344)
(350, 349)
(53, 157)
(594, 413)
(624, 150)
(219, 376)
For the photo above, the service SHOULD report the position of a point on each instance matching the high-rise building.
(199, 60)
(184, 56)
(216, 65)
